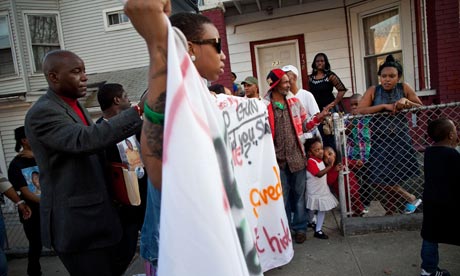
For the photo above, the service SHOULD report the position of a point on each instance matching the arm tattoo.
(154, 136)
(160, 104)
(154, 132)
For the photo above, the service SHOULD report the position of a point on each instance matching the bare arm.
(341, 89)
(29, 195)
(23, 208)
(325, 170)
(148, 18)
(365, 104)
(410, 94)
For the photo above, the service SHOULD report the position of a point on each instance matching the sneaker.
(438, 272)
(411, 207)
(300, 237)
(365, 210)
(320, 235)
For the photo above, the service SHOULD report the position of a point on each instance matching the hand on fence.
(404, 103)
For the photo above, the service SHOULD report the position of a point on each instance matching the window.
(382, 36)
(7, 64)
(380, 28)
(115, 19)
(43, 36)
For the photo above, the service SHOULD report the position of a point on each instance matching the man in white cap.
(306, 97)
(311, 107)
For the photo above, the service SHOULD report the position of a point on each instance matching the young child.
(318, 196)
(352, 185)
(359, 146)
(440, 194)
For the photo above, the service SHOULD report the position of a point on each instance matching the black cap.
(19, 134)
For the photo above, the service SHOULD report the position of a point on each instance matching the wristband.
(152, 116)
(20, 202)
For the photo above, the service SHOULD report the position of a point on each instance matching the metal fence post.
(339, 134)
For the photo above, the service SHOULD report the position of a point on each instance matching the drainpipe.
(419, 34)
(349, 48)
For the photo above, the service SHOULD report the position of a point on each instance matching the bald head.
(54, 59)
(65, 73)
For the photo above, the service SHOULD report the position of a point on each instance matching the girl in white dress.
(318, 196)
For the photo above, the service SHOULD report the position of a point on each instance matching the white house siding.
(37, 81)
(103, 51)
(324, 31)
(11, 116)
(12, 84)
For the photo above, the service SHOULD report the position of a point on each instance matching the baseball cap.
(274, 77)
(250, 80)
(291, 68)
(19, 134)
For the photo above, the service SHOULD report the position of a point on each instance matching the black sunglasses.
(216, 42)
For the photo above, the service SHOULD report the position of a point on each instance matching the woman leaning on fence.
(392, 158)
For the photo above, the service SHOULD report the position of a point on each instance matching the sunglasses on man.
(215, 42)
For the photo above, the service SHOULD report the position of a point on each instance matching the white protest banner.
(203, 229)
(257, 176)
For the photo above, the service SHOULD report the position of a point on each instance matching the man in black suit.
(78, 218)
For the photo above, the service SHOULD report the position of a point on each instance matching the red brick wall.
(217, 17)
(443, 25)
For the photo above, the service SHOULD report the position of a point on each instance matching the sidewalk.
(386, 254)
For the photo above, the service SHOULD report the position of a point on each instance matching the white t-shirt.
(311, 107)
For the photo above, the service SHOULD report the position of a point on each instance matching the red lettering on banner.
(257, 197)
(279, 242)
(260, 250)
(236, 156)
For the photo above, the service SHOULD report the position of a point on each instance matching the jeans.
(430, 256)
(295, 182)
(3, 262)
(150, 232)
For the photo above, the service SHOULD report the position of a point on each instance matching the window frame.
(25, 13)
(13, 50)
(121, 26)
(357, 13)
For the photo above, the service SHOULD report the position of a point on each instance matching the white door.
(275, 55)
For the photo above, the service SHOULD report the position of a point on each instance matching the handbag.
(328, 125)
(125, 185)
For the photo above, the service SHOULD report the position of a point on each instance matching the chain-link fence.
(382, 156)
(16, 241)
(383, 165)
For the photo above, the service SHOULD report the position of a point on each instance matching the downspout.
(20, 46)
(419, 34)
(349, 48)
